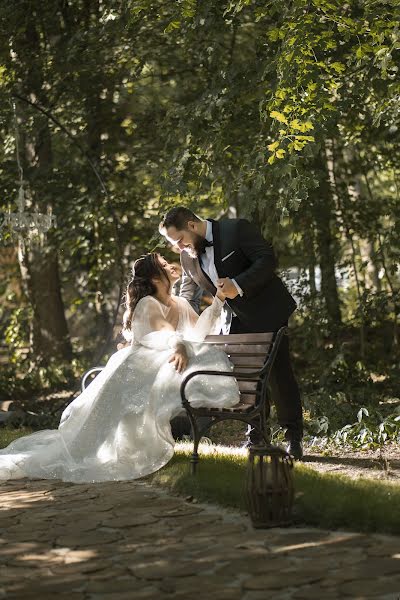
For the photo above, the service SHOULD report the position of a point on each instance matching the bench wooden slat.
(241, 338)
(248, 399)
(262, 349)
(256, 361)
(235, 409)
(240, 408)
(248, 387)
(246, 371)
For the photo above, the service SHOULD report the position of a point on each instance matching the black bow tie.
(206, 244)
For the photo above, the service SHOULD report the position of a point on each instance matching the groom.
(231, 254)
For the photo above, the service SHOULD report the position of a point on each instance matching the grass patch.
(322, 499)
(9, 435)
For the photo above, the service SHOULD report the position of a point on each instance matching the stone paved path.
(130, 541)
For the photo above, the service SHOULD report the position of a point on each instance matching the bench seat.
(252, 355)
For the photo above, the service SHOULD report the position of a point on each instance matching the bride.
(119, 427)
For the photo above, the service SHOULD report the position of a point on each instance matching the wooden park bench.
(252, 355)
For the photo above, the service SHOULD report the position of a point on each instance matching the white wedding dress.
(119, 427)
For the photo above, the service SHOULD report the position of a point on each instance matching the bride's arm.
(209, 322)
(151, 329)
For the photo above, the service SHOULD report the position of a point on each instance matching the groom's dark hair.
(177, 217)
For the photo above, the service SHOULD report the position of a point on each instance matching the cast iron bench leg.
(194, 459)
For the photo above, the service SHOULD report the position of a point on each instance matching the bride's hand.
(221, 295)
(226, 286)
(179, 359)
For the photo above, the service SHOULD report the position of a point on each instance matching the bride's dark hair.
(145, 268)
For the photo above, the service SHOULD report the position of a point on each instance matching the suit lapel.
(193, 269)
(219, 248)
(216, 244)
(222, 247)
(207, 283)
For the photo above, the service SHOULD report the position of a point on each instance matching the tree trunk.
(342, 193)
(41, 280)
(373, 267)
(39, 265)
(311, 278)
(323, 216)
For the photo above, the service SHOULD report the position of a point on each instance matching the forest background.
(286, 113)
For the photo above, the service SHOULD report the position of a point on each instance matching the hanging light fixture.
(28, 225)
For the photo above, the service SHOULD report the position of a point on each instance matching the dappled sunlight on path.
(129, 540)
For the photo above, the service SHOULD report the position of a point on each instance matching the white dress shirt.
(207, 260)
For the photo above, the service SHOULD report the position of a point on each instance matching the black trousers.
(285, 392)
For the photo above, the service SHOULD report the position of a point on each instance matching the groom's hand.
(227, 287)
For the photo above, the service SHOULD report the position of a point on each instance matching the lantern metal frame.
(269, 488)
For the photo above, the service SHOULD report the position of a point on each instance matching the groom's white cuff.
(237, 286)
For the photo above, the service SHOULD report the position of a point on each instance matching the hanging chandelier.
(29, 225)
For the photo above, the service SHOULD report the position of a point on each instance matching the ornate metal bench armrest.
(88, 374)
(235, 374)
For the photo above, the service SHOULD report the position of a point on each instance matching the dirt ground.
(382, 464)
(374, 464)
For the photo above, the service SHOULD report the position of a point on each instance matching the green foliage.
(371, 430)
(33, 421)
(288, 76)
(286, 112)
(8, 435)
(16, 334)
(18, 380)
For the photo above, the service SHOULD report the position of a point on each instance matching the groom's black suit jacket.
(241, 253)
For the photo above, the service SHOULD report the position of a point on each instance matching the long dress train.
(119, 427)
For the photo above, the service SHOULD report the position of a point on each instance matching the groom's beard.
(197, 246)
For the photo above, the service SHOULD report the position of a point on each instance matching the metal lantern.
(269, 486)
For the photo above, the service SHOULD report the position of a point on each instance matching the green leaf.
(363, 411)
(172, 26)
(338, 67)
(273, 35)
(278, 116)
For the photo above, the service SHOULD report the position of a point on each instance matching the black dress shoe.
(295, 449)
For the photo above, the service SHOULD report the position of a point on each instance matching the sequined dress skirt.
(119, 427)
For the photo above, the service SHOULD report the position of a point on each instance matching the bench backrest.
(248, 352)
